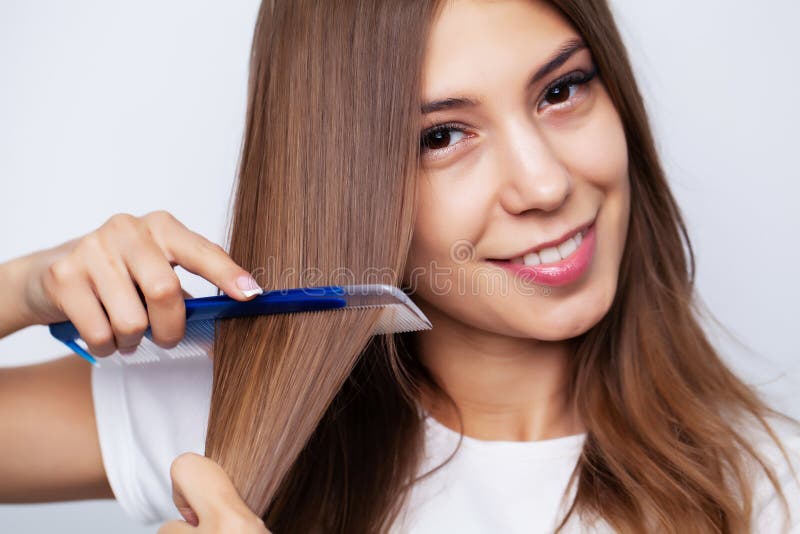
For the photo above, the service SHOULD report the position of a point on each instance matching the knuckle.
(160, 218)
(130, 325)
(99, 344)
(62, 270)
(163, 288)
(93, 251)
(97, 337)
(90, 241)
(120, 228)
(120, 220)
(167, 340)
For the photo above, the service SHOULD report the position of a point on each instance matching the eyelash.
(578, 78)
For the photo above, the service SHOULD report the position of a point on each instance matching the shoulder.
(147, 414)
(769, 514)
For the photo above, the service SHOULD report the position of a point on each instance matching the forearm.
(49, 445)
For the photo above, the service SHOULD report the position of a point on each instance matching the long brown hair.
(317, 422)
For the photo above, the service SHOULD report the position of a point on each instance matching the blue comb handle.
(222, 306)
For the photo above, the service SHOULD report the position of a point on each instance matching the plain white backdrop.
(110, 107)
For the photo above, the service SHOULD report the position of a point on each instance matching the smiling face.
(516, 158)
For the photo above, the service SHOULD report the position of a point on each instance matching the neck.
(505, 388)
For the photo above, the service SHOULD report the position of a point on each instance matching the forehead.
(475, 41)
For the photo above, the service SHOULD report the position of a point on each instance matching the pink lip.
(560, 273)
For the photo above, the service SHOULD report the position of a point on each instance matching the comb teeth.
(197, 341)
(396, 319)
(399, 314)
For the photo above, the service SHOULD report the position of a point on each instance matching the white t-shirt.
(147, 414)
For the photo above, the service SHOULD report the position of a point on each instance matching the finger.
(127, 351)
(80, 304)
(161, 288)
(200, 484)
(114, 286)
(176, 527)
(183, 506)
(204, 258)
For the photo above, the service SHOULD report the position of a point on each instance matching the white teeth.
(549, 255)
(567, 247)
(532, 259)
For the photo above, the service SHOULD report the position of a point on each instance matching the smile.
(553, 254)
(551, 251)
(555, 263)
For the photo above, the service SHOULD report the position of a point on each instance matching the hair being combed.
(317, 423)
(325, 195)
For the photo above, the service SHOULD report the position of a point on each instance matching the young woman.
(502, 169)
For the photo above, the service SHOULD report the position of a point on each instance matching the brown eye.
(559, 93)
(436, 139)
(440, 137)
(564, 89)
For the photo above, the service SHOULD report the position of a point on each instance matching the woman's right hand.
(98, 281)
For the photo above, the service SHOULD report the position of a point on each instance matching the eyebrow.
(556, 60)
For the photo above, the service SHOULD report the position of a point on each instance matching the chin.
(563, 317)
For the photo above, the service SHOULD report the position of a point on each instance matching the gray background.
(110, 107)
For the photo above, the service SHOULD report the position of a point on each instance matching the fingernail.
(248, 285)
(189, 515)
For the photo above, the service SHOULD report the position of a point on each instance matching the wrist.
(16, 312)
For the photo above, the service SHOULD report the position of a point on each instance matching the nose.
(533, 176)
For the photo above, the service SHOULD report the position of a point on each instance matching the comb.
(398, 314)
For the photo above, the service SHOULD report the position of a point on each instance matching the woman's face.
(517, 156)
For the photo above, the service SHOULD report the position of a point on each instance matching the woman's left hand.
(207, 499)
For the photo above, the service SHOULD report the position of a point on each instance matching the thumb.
(202, 491)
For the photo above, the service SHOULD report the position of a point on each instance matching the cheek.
(598, 151)
(425, 238)
(599, 154)
(449, 212)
